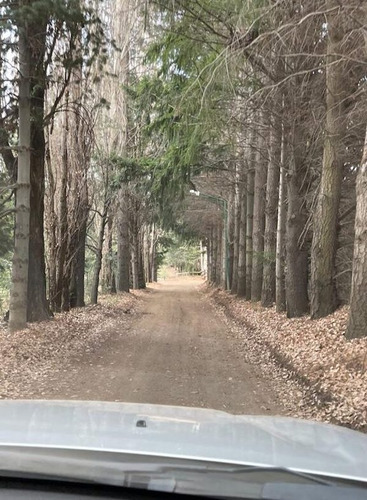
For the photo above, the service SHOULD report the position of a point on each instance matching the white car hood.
(190, 433)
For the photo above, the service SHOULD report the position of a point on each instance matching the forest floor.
(182, 343)
(324, 375)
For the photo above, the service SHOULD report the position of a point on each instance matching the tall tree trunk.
(224, 249)
(236, 231)
(324, 243)
(215, 255)
(241, 281)
(61, 297)
(221, 277)
(107, 269)
(19, 288)
(270, 235)
(296, 251)
(52, 225)
(123, 246)
(134, 262)
(250, 214)
(203, 259)
(141, 275)
(77, 271)
(230, 239)
(80, 146)
(281, 229)
(38, 308)
(134, 248)
(210, 277)
(153, 253)
(209, 246)
(146, 259)
(357, 321)
(122, 67)
(258, 222)
(98, 261)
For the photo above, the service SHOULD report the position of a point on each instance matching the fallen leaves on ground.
(330, 372)
(32, 354)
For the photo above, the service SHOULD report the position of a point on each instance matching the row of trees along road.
(119, 109)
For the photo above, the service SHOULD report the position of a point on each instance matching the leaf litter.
(30, 358)
(318, 374)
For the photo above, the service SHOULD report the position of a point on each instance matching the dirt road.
(177, 351)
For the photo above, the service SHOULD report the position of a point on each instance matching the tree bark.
(51, 229)
(61, 299)
(141, 276)
(357, 321)
(221, 281)
(281, 230)
(324, 244)
(236, 231)
(134, 251)
(81, 147)
(215, 255)
(123, 246)
(19, 287)
(224, 248)
(145, 251)
(250, 214)
(270, 235)
(77, 295)
(296, 252)
(210, 256)
(153, 254)
(258, 222)
(230, 238)
(108, 257)
(241, 282)
(98, 261)
(38, 307)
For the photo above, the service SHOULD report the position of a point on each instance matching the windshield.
(183, 221)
